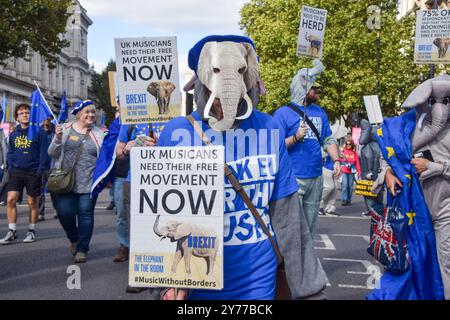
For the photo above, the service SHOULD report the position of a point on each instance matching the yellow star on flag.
(411, 216)
(408, 176)
(390, 151)
(380, 132)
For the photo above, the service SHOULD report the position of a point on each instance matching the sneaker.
(122, 254)
(332, 213)
(131, 289)
(30, 237)
(11, 235)
(80, 257)
(111, 206)
(2, 203)
(366, 214)
(321, 212)
(41, 218)
(73, 248)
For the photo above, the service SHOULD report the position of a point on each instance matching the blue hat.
(194, 53)
(80, 105)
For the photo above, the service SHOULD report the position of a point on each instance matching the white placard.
(432, 37)
(177, 222)
(147, 75)
(311, 32)
(373, 109)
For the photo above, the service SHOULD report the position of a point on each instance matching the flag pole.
(49, 109)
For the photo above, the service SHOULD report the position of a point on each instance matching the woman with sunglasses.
(349, 166)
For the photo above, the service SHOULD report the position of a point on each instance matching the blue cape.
(103, 173)
(422, 281)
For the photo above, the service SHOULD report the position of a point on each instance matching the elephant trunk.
(439, 117)
(230, 94)
(155, 228)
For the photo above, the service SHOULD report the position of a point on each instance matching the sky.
(188, 20)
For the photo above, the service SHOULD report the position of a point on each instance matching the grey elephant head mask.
(227, 69)
(431, 100)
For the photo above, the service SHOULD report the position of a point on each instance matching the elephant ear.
(204, 62)
(183, 230)
(251, 76)
(419, 95)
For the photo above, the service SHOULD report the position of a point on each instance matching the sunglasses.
(348, 144)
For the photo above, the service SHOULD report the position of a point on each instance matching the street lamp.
(374, 23)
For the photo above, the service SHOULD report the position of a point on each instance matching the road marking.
(341, 217)
(366, 238)
(328, 244)
(367, 265)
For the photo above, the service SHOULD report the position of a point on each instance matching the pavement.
(45, 269)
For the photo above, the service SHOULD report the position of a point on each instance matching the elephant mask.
(431, 100)
(227, 66)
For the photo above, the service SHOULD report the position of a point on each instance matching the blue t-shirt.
(306, 156)
(139, 129)
(328, 164)
(257, 155)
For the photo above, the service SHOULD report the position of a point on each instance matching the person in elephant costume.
(227, 89)
(416, 168)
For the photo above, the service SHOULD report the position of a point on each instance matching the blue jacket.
(27, 155)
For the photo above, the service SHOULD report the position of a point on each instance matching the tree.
(349, 53)
(100, 91)
(35, 24)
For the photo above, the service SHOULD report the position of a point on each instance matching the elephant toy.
(431, 140)
(192, 240)
(161, 90)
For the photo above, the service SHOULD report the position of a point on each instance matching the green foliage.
(36, 24)
(100, 91)
(349, 53)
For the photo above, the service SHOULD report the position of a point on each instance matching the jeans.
(76, 215)
(310, 194)
(111, 194)
(329, 191)
(121, 221)
(347, 187)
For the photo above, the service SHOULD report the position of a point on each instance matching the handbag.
(282, 291)
(62, 181)
(388, 237)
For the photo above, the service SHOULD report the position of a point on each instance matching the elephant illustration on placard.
(192, 240)
(161, 90)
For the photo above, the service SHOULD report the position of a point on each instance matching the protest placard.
(432, 37)
(113, 90)
(312, 32)
(177, 220)
(364, 188)
(147, 75)
(373, 109)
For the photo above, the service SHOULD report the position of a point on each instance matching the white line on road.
(328, 245)
(341, 217)
(366, 238)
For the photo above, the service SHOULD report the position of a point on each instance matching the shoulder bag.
(62, 181)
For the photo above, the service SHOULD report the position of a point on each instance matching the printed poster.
(177, 221)
(432, 37)
(147, 75)
(311, 32)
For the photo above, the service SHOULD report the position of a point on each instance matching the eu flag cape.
(422, 281)
(103, 173)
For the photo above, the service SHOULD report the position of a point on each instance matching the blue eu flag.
(422, 281)
(64, 113)
(103, 173)
(38, 113)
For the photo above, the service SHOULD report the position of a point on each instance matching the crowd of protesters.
(311, 163)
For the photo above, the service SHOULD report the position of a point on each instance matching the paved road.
(39, 270)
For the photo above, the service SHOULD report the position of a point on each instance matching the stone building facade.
(72, 72)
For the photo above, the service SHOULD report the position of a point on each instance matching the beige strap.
(239, 189)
